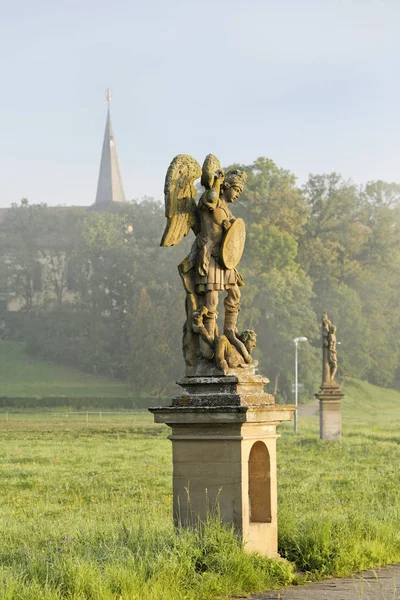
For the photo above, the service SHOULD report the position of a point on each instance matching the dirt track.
(309, 410)
(383, 584)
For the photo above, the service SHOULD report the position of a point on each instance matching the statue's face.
(232, 193)
(250, 345)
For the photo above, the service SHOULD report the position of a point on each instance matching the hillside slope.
(21, 375)
(367, 403)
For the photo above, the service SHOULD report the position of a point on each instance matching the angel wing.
(180, 194)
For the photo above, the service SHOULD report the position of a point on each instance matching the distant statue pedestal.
(224, 454)
(330, 413)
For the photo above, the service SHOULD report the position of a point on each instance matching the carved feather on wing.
(180, 194)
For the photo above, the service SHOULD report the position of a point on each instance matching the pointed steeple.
(109, 187)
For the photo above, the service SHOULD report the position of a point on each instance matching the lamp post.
(296, 373)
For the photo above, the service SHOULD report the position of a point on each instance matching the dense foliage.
(109, 299)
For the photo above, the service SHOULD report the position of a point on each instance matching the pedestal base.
(224, 455)
(330, 414)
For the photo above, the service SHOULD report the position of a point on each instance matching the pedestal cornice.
(329, 394)
(222, 414)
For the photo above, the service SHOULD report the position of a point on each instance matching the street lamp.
(296, 373)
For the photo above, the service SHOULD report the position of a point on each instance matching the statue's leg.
(209, 320)
(232, 307)
(326, 369)
(220, 352)
(190, 344)
(190, 340)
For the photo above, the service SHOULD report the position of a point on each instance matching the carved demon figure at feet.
(211, 265)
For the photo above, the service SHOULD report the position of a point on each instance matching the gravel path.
(309, 410)
(382, 584)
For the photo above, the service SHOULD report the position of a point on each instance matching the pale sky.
(312, 84)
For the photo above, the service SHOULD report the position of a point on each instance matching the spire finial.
(109, 97)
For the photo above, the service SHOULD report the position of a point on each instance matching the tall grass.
(339, 503)
(88, 516)
(142, 558)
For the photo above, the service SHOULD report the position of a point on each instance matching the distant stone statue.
(329, 395)
(210, 268)
(329, 352)
(332, 354)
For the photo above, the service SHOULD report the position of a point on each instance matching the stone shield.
(233, 244)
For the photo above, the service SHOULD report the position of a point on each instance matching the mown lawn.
(86, 512)
(21, 375)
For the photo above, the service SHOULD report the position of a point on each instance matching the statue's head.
(233, 184)
(332, 329)
(249, 339)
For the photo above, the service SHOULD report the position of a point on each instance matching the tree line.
(96, 290)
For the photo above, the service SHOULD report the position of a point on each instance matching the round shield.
(233, 244)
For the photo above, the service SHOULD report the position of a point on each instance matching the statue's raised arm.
(180, 195)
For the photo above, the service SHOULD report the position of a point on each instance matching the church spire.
(109, 187)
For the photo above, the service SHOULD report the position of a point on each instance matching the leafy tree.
(350, 249)
(112, 300)
(37, 242)
(277, 299)
(20, 235)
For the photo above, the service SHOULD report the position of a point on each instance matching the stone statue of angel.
(210, 267)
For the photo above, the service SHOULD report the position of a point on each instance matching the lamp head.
(300, 339)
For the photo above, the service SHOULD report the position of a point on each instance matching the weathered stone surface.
(210, 268)
(233, 244)
(329, 353)
(223, 433)
(329, 396)
(231, 390)
(223, 422)
(187, 415)
(225, 457)
(206, 369)
(330, 417)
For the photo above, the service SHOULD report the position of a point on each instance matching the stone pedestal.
(224, 455)
(330, 415)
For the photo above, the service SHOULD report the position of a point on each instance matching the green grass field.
(24, 376)
(86, 508)
(340, 503)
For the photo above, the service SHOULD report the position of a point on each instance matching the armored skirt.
(217, 279)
